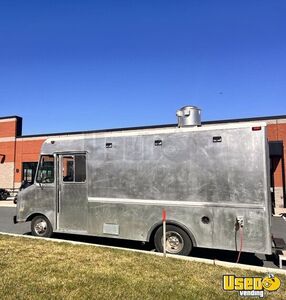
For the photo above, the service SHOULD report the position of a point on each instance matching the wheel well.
(31, 217)
(174, 223)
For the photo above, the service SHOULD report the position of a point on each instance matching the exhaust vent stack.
(189, 116)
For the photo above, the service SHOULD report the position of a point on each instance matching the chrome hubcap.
(41, 227)
(174, 242)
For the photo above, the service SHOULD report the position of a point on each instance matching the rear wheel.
(41, 226)
(177, 240)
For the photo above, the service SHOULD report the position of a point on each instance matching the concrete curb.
(186, 258)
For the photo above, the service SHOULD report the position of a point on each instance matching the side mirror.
(40, 180)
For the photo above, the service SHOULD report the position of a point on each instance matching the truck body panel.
(213, 173)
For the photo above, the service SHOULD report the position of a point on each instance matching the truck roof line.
(156, 130)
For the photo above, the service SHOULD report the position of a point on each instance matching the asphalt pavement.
(6, 221)
(8, 210)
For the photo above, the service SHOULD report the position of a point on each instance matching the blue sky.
(80, 65)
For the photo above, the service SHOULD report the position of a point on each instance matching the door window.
(74, 168)
(68, 168)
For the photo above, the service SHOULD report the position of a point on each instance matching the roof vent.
(189, 116)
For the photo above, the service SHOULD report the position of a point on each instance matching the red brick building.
(19, 154)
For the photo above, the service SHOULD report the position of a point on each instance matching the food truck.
(212, 181)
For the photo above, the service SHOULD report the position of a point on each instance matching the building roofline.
(154, 126)
(11, 117)
(99, 130)
(279, 117)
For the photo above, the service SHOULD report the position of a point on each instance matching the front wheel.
(177, 240)
(41, 226)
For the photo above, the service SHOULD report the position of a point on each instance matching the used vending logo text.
(251, 286)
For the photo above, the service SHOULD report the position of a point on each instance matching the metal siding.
(37, 200)
(187, 167)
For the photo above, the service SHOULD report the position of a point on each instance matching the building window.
(29, 171)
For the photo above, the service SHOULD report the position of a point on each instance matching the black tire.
(177, 240)
(2, 196)
(41, 226)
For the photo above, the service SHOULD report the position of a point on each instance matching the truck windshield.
(46, 169)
